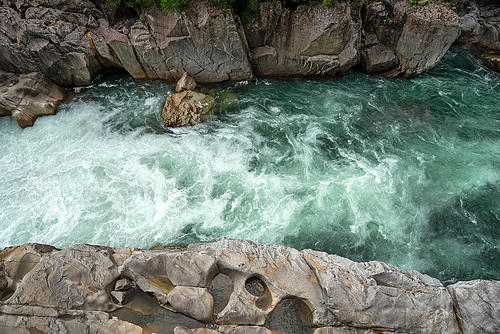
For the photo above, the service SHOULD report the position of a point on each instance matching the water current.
(395, 170)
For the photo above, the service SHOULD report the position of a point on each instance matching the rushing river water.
(401, 171)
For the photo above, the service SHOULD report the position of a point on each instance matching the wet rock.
(478, 305)
(187, 108)
(493, 62)
(480, 25)
(185, 83)
(196, 303)
(312, 40)
(29, 96)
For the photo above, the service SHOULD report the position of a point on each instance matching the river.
(401, 171)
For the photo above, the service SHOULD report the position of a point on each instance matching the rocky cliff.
(230, 286)
(67, 43)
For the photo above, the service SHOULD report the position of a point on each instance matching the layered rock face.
(313, 40)
(406, 40)
(481, 30)
(230, 286)
(70, 42)
(28, 96)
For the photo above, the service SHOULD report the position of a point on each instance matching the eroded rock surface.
(28, 96)
(70, 42)
(313, 40)
(271, 288)
(478, 305)
(187, 108)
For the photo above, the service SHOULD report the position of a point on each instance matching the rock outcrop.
(481, 30)
(229, 286)
(187, 108)
(28, 96)
(312, 40)
(70, 42)
(406, 40)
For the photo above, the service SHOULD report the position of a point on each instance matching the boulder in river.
(187, 108)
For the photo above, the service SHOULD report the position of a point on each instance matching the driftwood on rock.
(229, 286)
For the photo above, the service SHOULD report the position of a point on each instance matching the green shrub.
(243, 7)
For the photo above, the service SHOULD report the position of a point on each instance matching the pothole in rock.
(221, 289)
(256, 287)
(144, 310)
(291, 316)
(26, 264)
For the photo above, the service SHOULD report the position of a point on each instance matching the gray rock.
(274, 288)
(187, 108)
(33, 319)
(371, 295)
(478, 305)
(203, 41)
(480, 26)
(158, 272)
(74, 278)
(282, 270)
(428, 32)
(493, 62)
(201, 330)
(185, 83)
(380, 58)
(194, 302)
(29, 96)
(313, 40)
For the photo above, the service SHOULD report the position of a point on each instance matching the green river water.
(401, 171)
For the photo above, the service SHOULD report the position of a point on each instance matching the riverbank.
(66, 44)
(230, 286)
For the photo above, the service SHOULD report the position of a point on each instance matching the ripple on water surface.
(402, 171)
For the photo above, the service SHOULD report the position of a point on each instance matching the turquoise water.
(401, 171)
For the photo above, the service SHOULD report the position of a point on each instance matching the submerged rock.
(269, 288)
(187, 108)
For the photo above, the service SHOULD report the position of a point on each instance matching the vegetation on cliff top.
(177, 5)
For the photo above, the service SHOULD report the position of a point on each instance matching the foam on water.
(402, 171)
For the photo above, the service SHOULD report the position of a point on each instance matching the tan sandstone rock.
(187, 108)
(29, 96)
(185, 83)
